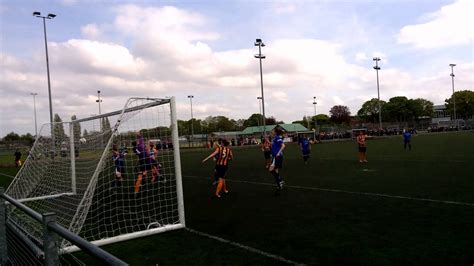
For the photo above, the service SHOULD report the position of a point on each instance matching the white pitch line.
(251, 249)
(351, 192)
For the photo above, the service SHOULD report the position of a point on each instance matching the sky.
(321, 49)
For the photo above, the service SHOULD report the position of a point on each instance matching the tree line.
(397, 109)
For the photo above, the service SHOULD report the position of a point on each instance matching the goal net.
(108, 178)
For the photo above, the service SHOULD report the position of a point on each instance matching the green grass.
(312, 226)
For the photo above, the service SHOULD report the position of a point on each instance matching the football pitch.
(401, 208)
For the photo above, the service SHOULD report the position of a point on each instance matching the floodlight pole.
(315, 120)
(377, 68)
(259, 109)
(50, 16)
(192, 124)
(34, 106)
(99, 101)
(454, 97)
(260, 44)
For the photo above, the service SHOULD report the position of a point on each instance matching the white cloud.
(284, 8)
(452, 25)
(91, 31)
(169, 52)
(361, 56)
(68, 2)
(337, 100)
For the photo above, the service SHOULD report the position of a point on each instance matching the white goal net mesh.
(105, 177)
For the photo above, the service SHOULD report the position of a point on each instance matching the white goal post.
(109, 178)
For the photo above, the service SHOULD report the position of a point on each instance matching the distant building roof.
(257, 129)
(439, 107)
(227, 133)
(285, 127)
(293, 127)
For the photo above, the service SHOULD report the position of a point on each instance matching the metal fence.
(18, 248)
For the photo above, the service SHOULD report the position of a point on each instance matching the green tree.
(340, 114)
(420, 108)
(85, 133)
(370, 110)
(58, 128)
(253, 120)
(28, 138)
(397, 109)
(321, 119)
(12, 136)
(77, 128)
(464, 104)
(105, 124)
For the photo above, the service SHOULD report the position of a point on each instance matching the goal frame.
(81, 213)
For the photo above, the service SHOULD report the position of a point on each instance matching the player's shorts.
(267, 154)
(306, 152)
(221, 170)
(278, 161)
(362, 149)
(144, 165)
(120, 169)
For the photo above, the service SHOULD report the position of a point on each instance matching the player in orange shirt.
(362, 147)
(267, 151)
(223, 155)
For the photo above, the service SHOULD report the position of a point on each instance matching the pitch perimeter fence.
(18, 247)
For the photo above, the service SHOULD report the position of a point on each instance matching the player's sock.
(277, 177)
(138, 184)
(219, 187)
(225, 186)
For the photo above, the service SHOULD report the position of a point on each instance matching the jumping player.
(141, 151)
(277, 158)
(224, 155)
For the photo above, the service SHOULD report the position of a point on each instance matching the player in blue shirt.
(277, 158)
(305, 146)
(407, 139)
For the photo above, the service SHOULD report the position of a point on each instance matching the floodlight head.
(258, 42)
(452, 65)
(259, 98)
(190, 96)
(376, 67)
(98, 91)
(36, 13)
(50, 15)
(376, 59)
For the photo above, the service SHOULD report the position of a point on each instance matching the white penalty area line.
(250, 249)
(350, 192)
